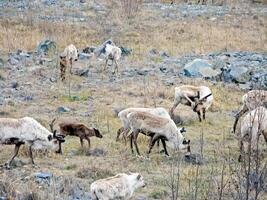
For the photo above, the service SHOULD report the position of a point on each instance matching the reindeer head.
(56, 141)
(97, 133)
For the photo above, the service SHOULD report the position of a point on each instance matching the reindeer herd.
(156, 123)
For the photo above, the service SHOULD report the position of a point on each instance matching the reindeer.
(27, 131)
(199, 98)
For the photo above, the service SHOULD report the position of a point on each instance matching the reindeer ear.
(49, 137)
(138, 177)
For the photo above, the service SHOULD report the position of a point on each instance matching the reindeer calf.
(79, 130)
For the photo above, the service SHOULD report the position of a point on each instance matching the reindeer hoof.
(240, 158)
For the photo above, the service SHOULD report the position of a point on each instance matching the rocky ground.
(156, 59)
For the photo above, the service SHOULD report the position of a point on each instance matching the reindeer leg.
(105, 67)
(175, 104)
(152, 143)
(88, 140)
(16, 151)
(199, 116)
(241, 151)
(30, 154)
(125, 133)
(204, 114)
(164, 146)
(71, 66)
(116, 67)
(135, 135)
(131, 143)
(119, 131)
(81, 141)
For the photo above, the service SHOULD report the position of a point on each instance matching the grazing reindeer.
(124, 130)
(251, 127)
(79, 130)
(199, 98)
(250, 101)
(27, 131)
(69, 55)
(157, 128)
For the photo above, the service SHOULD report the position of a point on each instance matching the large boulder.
(239, 74)
(46, 47)
(259, 81)
(200, 68)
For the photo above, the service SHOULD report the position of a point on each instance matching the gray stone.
(13, 61)
(14, 84)
(96, 152)
(256, 57)
(84, 56)
(239, 74)
(43, 177)
(62, 109)
(126, 51)
(2, 100)
(200, 68)
(28, 98)
(88, 50)
(153, 52)
(164, 54)
(46, 47)
(194, 158)
(1, 63)
(82, 72)
(259, 81)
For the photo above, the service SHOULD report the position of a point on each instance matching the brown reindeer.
(79, 130)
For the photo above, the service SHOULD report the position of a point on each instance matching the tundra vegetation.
(164, 38)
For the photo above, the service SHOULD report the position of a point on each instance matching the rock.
(88, 50)
(62, 109)
(49, 2)
(194, 159)
(239, 74)
(1, 63)
(200, 68)
(259, 81)
(14, 84)
(84, 56)
(43, 177)
(17, 163)
(164, 54)
(82, 72)
(125, 51)
(256, 57)
(82, 1)
(96, 152)
(77, 193)
(46, 47)
(153, 52)
(28, 98)
(13, 60)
